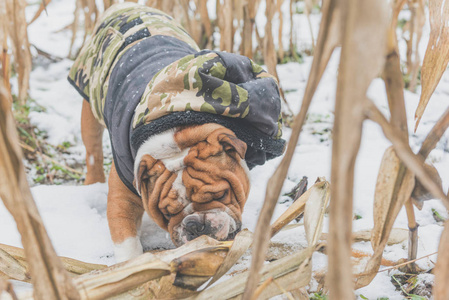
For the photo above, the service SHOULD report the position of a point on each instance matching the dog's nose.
(195, 226)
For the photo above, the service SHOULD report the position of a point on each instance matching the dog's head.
(194, 181)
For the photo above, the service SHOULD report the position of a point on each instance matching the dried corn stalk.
(51, 281)
(4, 56)
(415, 28)
(108, 3)
(17, 32)
(91, 14)
(269, 52)
(225, 20)
(441, 290)
(359, 65)
(308, 10)
(248, 26)
(281, 23)
(206, 38)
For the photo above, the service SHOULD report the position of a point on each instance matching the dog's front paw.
(129, 248)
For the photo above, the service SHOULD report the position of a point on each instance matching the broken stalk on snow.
(73, 266)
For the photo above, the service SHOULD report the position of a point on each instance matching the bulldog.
(185, 126)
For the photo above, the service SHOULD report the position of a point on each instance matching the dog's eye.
(220, 195)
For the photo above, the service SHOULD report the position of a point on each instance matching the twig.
(406, 263)
(45, 54)
(46, 157)
(398, 265)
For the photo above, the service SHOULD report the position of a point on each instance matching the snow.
(75, 216)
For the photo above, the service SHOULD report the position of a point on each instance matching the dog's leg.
(92, 135)
(125, 212)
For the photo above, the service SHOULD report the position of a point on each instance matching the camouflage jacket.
(143, 74)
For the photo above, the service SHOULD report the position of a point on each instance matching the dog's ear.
(141, 171)
(232, 145)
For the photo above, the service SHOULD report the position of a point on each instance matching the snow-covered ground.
(75, 216)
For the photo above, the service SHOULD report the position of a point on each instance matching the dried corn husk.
(314, 212)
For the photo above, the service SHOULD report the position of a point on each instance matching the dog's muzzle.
(214, 223)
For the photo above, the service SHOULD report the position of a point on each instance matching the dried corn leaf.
(121, 277)
(435, 134)
(12, 267)
(292, 211)
(314, 212)
(441, 290)
(284, 271)
(360, 63)
(394, 187)
(414, 162)
(241, 243)
(436, 57)
(41, 8)
(420, 193)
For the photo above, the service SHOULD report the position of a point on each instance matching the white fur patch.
(129, 248)
(162, 147)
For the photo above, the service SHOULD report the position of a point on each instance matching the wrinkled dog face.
(194, 181)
